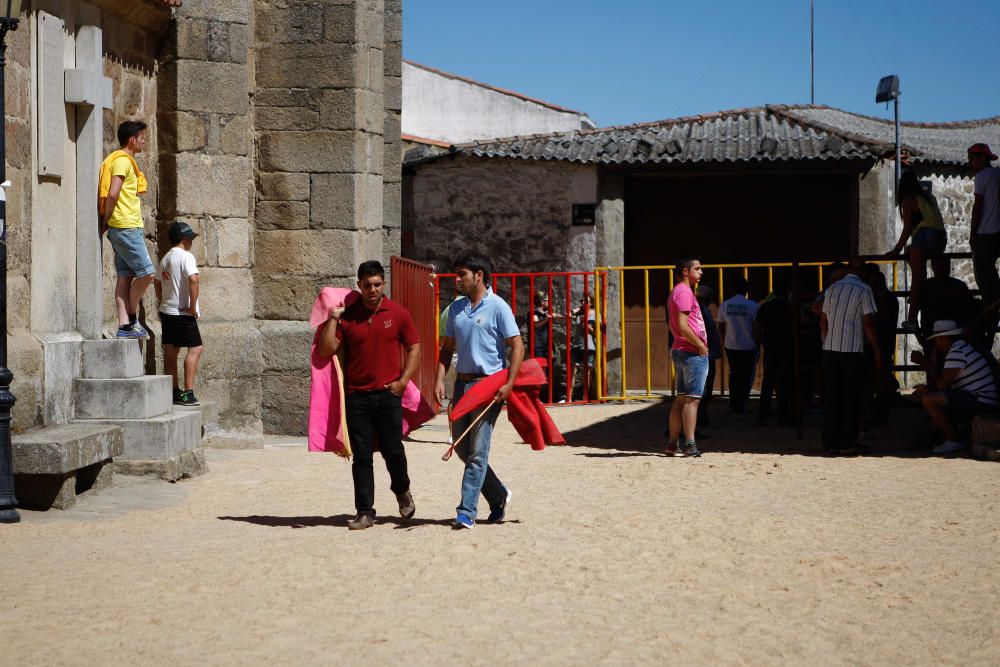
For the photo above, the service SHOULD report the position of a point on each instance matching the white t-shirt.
(988, 187)
(737, 313)
(175, 268)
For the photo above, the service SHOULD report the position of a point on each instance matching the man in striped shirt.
(962, 384)
(846, 321)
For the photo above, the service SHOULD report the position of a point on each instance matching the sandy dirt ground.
(760, 552)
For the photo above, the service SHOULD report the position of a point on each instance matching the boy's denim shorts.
(131, 257)
(692, 372)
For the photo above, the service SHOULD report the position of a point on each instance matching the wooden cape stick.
(451, 450)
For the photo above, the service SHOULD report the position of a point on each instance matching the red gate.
(413, 288)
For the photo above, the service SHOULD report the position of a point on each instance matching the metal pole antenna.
(899, 158)
(812, 59)
(7, 500)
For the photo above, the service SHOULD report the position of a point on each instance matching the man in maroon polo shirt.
(382, 351)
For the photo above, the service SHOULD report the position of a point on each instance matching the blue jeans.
(131, 256)
(474, 450)
(692, 372)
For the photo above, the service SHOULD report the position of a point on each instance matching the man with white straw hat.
(956, 388)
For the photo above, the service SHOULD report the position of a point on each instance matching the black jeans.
(706, 396)
(371, 415)
(778, 379)
(984, 264)
(843, 378)
(741, 367)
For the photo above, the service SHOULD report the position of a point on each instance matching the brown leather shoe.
(406, 506)
(360, 522)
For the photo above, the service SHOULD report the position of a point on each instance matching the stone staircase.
(114, 391)
(124, 421)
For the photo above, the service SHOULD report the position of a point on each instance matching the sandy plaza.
(760, 552)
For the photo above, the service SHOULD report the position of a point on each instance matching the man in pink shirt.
(690, 357)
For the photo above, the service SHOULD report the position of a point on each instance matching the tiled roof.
(769, 133)
(935, 142)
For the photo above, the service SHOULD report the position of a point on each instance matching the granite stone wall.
(206, 154)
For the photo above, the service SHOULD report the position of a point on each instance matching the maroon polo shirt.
(375, 343)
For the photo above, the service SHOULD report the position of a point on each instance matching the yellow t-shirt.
(128, 212)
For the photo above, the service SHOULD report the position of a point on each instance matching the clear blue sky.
(627, 61)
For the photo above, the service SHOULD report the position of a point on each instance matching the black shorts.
(180, 330)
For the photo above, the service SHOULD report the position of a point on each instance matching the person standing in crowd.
(120, 215)
(583, 354)
(705, 295)
(984, 233)
(848, 318)
(177, 288)
(924, 226)
(376, 335)
(690, 357)
(543, 317)
(883, 384)
(772, 330)
(964, 383)
(482, 328)
(736, 315)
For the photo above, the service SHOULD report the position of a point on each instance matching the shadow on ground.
(335, 521)
(641, 433)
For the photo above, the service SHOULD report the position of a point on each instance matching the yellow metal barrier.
(602, 288)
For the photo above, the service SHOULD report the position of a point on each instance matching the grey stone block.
(182, 466)
(158, 438)
(111, 358)
(63, 449)
(286, 345)
(129, 398)
(986, 430)
(209, 411)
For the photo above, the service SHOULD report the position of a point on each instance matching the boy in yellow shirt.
(120, 215)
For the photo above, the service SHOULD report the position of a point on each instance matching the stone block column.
(610, 236)
(205, 155)
(319, 116)
(392, 177)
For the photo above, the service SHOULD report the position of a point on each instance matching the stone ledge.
(985, 452)
(183, 466)
(65, 448)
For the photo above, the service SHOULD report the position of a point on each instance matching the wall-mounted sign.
(584, 214)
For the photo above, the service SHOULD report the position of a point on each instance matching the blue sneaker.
(141, 329)
(497, 513)
(132, 333)
(463, 521)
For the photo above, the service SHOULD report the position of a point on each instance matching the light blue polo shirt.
(481, 333)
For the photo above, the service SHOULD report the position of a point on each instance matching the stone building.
(774, 183)
(274, 130)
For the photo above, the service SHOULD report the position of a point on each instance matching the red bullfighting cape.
(524, 407)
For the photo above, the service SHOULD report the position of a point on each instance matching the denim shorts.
(931, 241)
(131, 257)
(692, 372)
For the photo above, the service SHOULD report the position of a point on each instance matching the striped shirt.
(975, 376)
(845, 304)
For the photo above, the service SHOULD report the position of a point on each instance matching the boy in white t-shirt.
(177, 291)
(736, 315)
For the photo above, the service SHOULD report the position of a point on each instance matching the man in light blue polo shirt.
(481, 327)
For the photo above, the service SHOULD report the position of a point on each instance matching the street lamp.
(10, 10)
(888, 89)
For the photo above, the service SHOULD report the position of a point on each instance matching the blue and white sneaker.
(132, 332)
(497, 513)
(463, 521)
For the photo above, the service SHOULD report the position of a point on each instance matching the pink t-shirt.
(682, 300)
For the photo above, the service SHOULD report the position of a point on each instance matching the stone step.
(158, 438)
(209, 414)
(127, 398)
(986, 429)
(112, 358)
(53, 464)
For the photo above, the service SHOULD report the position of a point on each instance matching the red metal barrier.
(519, 289)
(413, 287)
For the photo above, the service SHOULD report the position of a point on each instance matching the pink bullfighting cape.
(327, 416)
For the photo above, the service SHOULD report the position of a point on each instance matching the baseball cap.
(180, 230)
(983, 149)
